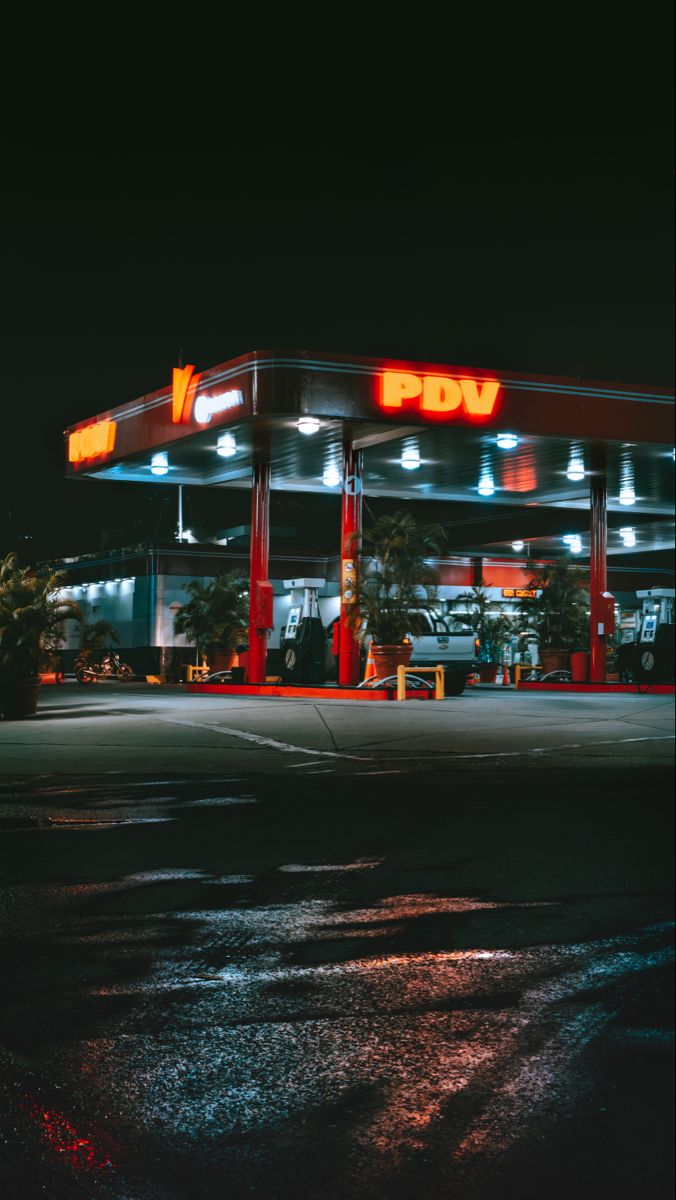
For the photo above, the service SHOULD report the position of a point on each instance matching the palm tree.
(559, 613)
(399, 580)
(217, 615)
(32, 617)
(94, 635)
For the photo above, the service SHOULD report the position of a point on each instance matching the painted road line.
(271, 743)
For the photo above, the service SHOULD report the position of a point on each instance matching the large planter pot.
(19, 698)
(488, 672)
(221, 660)
(388, 658)
(554, 660)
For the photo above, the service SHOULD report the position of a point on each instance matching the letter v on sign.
(184, 386)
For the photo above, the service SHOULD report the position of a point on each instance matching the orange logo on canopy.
(184, 387)
(91, 442)
(440, 396)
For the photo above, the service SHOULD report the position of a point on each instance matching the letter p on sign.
(399, 386)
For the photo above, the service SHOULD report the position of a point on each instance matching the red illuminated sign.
(440, 396)
(93, 441)
(188, 406)
(519, 593)
(184, 388)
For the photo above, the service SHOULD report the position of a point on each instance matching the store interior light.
(410, 457)
(573, 541)
(486, 486)
(307, 424)
(331, 476)
(226, 445)
(159, 463)
(507, 441)
(518, 546)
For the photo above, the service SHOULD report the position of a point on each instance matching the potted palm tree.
(32, 617)
(492, 631)
(559, 612)
(395, 588)
(216, 617)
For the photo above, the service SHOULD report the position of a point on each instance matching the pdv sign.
(440, 396)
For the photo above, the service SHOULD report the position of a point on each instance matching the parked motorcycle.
(110, 667)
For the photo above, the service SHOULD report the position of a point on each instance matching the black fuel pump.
(653, 653)
(303, 647)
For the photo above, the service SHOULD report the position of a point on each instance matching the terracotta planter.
(222, 660)
(388, 658)
(488, 672)
(19, 698)
(554, 660)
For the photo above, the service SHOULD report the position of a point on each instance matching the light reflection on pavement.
(303, 1029)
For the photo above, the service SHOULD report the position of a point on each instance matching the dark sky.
(520, 218)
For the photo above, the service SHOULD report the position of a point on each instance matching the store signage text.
(519, 593)
(440, 396)
(189, 404)
(207, 407)
(92, 442)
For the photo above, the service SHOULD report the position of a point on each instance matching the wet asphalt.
(440, 978)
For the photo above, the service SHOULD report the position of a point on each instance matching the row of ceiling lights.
(574, 541)
(100, 582)
(410, 460)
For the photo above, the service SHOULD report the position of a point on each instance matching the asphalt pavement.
(325, 949)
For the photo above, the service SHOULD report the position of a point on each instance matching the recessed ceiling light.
(307, 424)
(575, 469)
(410, 458)
(486, 486)
(331, 476)
(518, 546)
(226, 445)
(507, 441)
(159, 463)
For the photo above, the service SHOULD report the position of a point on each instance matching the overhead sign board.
(193, 404)
(440, 397)
(92, 441)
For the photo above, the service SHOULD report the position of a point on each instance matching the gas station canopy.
(427, 431)
(319, 423)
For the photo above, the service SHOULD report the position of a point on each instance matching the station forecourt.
(522, 457)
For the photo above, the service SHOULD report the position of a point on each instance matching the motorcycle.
(110, 667)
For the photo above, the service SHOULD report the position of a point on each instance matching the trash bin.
(579, 666)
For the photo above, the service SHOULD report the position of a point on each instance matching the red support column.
(597, 568)
(260, 544)
(350, 533)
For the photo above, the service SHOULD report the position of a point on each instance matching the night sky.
(519, 219)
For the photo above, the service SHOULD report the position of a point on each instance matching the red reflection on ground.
(62, 1137)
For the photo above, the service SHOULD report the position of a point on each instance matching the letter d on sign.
(441, 394)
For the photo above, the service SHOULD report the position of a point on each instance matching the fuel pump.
(303, 642)
(653, 659)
